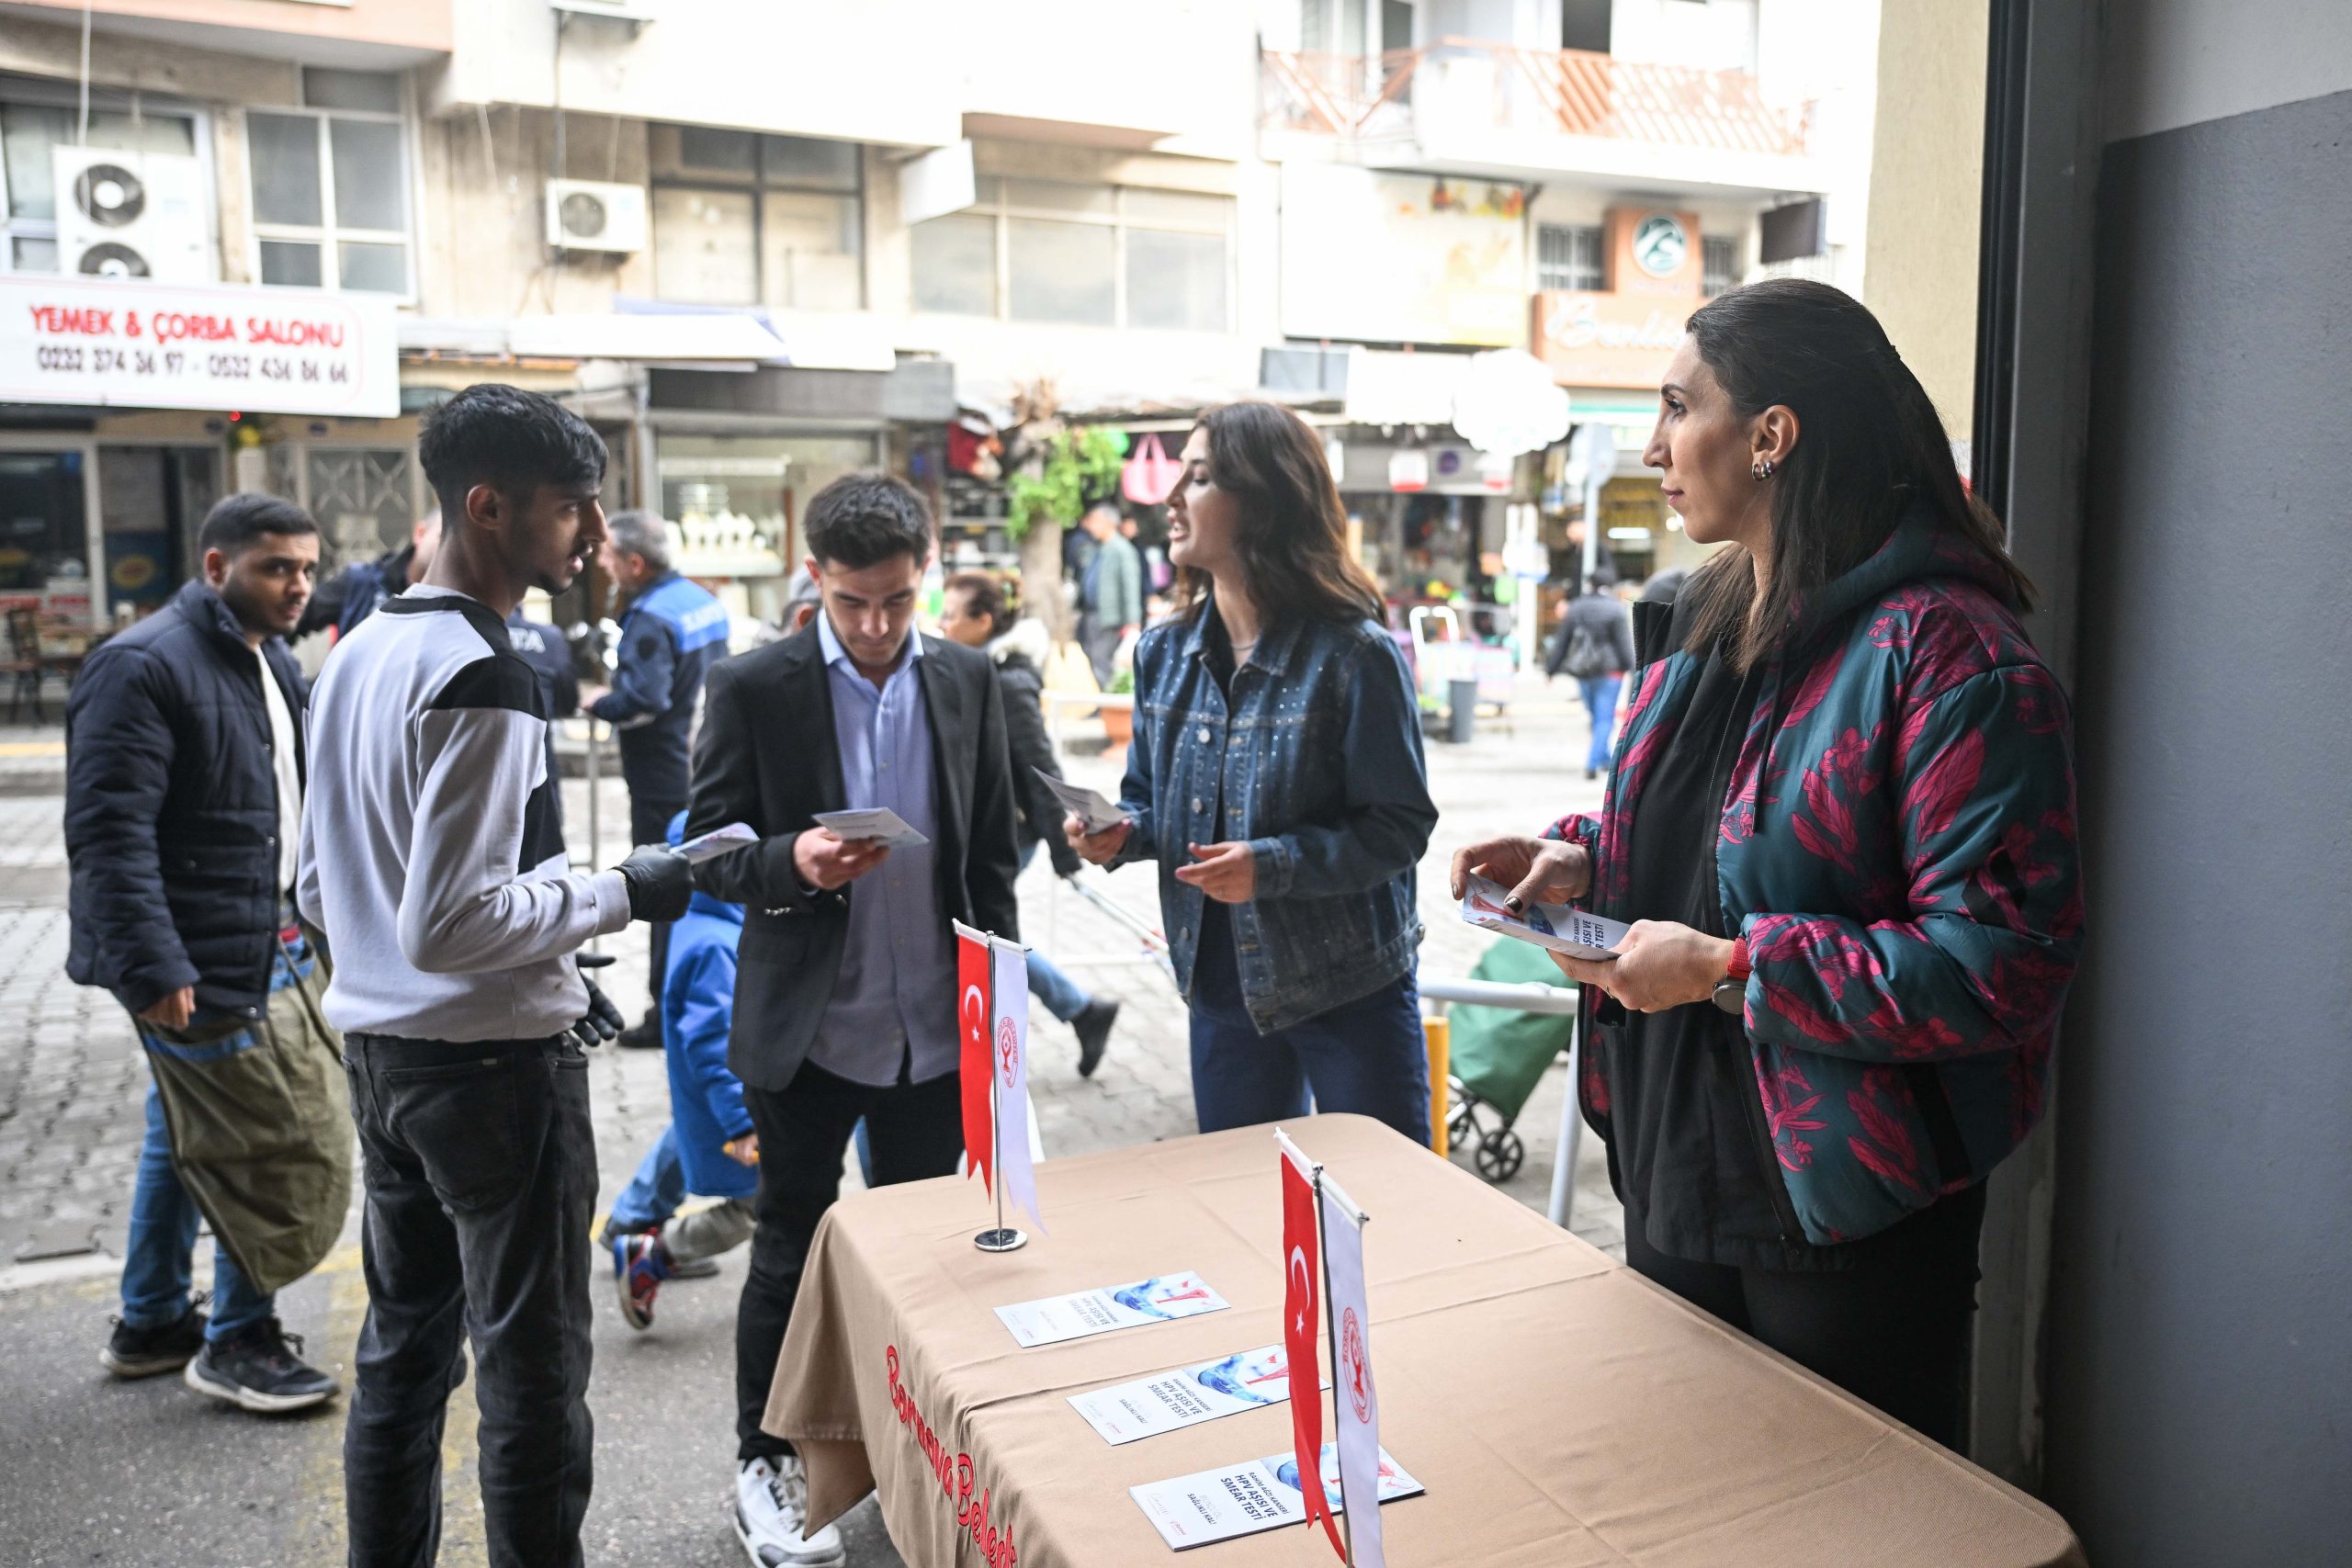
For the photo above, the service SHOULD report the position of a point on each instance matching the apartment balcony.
(1499, 111)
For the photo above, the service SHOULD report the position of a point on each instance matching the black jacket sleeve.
(726, 789)
(992, 861)
(118, 768)
(325, 608)
(1031, 748)
(1620, 639)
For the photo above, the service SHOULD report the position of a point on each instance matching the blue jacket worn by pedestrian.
(171, 810)
(671, 634)
(355, 592)
(697, 1005)
(1315, 762)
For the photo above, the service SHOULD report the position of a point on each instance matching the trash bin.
(1461, 710)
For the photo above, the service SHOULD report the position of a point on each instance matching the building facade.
(760, 246)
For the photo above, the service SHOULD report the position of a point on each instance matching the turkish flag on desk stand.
(1355, 1410)
(975, 1064)
(1014, 1167)
(1301, 1310)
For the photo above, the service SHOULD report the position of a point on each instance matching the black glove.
(660, 880)
(603, 1020)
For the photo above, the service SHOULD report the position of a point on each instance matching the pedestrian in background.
(709, 1147)
(845, 1002)
(974, 613)
(430, 862)
(357, 592)
(1843, 829)
(1276, 775)
(1594, 648)
(672, 629)
(183, 804)
(1110, 592)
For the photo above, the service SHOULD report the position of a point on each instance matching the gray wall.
(2200, 1346)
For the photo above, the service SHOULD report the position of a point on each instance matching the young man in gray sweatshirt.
(432, 864)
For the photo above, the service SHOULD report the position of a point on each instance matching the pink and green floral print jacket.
(1898, 847)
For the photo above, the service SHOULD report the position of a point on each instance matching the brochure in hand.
(1242, 1499)
(1553, 926)
(718, 842)
(876, 824)
(1187, 1396)
(1160, 1299)
(1087, 805)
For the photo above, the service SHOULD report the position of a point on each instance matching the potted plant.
(1119, 723)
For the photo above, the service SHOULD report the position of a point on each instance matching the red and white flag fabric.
(1301, 1309)
(976, 1062)
(1355, 1404)
(1014, 1167)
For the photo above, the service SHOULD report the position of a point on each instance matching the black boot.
(1093, 1026)
(645, 1034)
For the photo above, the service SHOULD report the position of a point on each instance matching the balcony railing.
(1494, 86)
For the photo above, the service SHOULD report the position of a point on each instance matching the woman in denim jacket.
(1276, 776)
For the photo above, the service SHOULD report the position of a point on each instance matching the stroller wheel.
(1501, 1155)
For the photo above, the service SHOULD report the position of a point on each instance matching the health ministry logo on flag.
(1302, 1256)
(974, 1064)
(1014, 1167)
(1356, 1413)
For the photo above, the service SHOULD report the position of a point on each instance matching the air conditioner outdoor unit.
(131, 215)
(592, 215)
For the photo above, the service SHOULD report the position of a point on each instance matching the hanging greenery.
(1082, 465)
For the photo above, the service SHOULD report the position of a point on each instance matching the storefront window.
(735, 502)
(44, 530)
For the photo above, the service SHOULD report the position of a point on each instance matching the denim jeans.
(654, 1193)
(162, 1250)
(1367, 1056)
(482, 1174)
(1600, 702)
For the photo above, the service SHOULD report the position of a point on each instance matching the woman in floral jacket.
(1842, 822)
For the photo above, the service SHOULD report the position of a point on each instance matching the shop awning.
(700, 339)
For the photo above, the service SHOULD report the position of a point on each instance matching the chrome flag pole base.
(1002, 1239)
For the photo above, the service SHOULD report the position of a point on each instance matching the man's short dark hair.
(862, 520)
(237, 521)
(1104, 503)
(511, 440)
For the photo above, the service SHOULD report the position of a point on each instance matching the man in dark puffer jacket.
(182, 806)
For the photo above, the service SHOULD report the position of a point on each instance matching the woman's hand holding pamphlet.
(1555, 926)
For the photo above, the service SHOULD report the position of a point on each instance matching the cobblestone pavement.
(72, 1088)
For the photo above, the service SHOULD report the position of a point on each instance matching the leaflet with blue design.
(1160, 1299)
(1187, 1396)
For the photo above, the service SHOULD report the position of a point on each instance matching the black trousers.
(914, 1131)
(649, 823)
(1891, 1329)
(480, 1169)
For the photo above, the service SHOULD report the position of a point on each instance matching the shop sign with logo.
(111, 344)
(1652, 252)
(1607, 340)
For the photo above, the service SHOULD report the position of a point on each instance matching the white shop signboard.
(154, 345)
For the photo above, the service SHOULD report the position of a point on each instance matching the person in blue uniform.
(673, 630)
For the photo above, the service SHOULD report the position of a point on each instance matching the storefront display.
(735, 502)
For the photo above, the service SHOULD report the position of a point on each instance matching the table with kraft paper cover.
(1561, 1410)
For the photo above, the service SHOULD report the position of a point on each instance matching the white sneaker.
(772, 1510)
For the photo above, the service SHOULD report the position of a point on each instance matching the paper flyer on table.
(1553, 926)
(1163, 1298)
(875, 824)
(718, 842)
(1087, 805)
(1242, 1499)
(1187, 1396)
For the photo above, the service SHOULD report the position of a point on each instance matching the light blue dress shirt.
(892, 1019)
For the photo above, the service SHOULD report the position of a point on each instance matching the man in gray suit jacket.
(845, 986)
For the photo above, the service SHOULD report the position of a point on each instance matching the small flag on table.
(976, 1060)
(1355, 1405)
(1301, 1254)
(1014, 1167)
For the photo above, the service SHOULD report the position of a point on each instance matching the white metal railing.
(1556, 1001)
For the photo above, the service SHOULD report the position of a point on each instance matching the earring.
(1763, 469)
